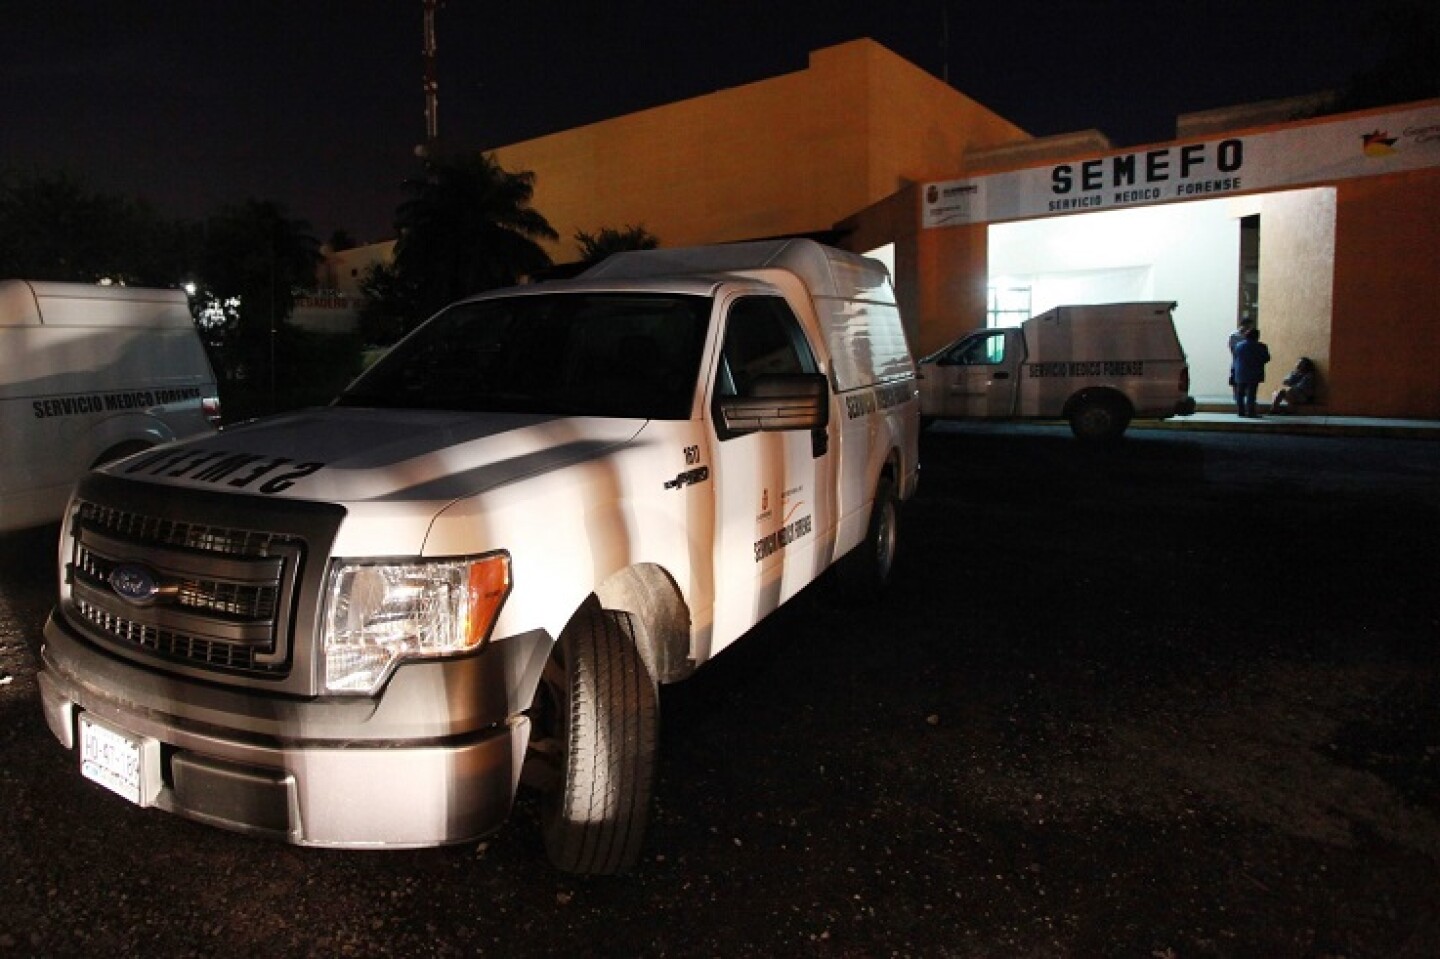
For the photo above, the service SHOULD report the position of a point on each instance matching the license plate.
(126, 765)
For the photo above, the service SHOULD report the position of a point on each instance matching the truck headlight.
(378, 613)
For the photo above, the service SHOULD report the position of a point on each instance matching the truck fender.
(118, 436)
(660, 618)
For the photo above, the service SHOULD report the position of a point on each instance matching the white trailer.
(89, 374)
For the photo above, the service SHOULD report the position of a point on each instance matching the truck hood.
(342, 455)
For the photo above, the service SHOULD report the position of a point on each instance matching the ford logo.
(135, 583)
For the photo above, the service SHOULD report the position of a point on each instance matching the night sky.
(318, 104)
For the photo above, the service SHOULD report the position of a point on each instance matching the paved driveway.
(1180, 698)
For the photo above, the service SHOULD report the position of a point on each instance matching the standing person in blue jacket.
(1237, 336)
(1248, 371)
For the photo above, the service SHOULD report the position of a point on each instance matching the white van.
(1098, 366)
(89, 374)
(358, 626)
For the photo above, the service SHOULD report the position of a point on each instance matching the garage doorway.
(1206, 255)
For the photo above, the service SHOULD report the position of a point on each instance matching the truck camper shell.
(1091, 332)
(852, 295)
(52, 303)
(827, 272)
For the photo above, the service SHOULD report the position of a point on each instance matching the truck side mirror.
(787, 402)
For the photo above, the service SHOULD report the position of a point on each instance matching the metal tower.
(432, 85)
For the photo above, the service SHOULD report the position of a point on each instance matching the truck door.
(979, 375)
(774, 489)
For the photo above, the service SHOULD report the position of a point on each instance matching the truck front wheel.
(1099, 420)
(599, 725)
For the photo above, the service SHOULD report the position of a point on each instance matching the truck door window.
(762, 338)
(986, 350)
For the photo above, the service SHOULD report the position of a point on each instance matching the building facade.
(1327, 230)
(790, 155)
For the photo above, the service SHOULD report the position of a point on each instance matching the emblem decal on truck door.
(783, 537)
(698, 475)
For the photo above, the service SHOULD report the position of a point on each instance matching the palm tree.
(52, 227)
(468, 227)
(595, 247)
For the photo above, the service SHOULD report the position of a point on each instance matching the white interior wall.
(1185, 252)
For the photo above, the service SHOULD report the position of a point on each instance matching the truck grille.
(151, 530)
(220, 596)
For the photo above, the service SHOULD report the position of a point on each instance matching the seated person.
(1299, 387)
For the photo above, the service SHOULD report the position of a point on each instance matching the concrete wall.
(1348, 273)
(1297, 283)
(1347, 269)
(792, 154)
(334, 306)
(1385, 348)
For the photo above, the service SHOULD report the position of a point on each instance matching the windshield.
(579, 354)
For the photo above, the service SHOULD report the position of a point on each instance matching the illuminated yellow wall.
(791, 154)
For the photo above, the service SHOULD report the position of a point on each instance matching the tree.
(597, 246)
(249, 261)
(467, 227)
(341, 240)
(53, 227)
(391, 305)
(255, 260)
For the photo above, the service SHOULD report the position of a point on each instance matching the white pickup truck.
(356, 626)
(1097, 366)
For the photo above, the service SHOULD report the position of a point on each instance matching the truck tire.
(1099, 420)
(863, 573)
(604, 711)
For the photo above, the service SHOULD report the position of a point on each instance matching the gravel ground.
(1181, 699)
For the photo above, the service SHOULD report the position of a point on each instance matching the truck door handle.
(1002, 375)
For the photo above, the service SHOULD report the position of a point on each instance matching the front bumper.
(426, 763)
